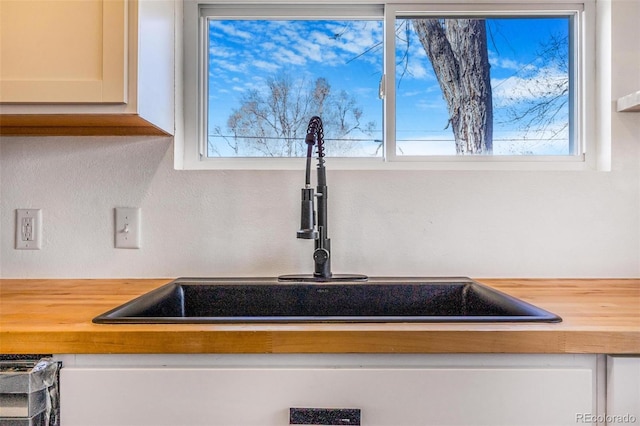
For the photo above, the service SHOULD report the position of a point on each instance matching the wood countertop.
(54, 316)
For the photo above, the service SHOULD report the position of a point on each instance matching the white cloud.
(268, 45)
(511, 65)
(415, 69)
(229, 30)
(512, 90)
(223, 65)
(308, 49)
(505, 63)
(349, 40)
(287, 56)
(295, 43)
(221, 52)
(266, 66)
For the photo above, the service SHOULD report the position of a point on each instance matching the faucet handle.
(307, 216)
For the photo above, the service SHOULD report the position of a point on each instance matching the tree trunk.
(458, 52)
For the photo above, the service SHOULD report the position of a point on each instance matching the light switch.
(127, 229)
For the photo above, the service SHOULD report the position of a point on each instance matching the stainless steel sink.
(264, 300)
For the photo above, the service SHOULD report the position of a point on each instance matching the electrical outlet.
(127, 229)
(28, 229)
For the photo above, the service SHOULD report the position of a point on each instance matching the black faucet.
(313, 224)
(308, 228)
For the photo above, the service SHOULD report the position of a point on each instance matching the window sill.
(576, 163)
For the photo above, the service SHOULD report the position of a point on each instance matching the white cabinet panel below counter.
(623, 390)
(389, 390)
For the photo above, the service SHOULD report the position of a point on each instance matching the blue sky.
(243, 55)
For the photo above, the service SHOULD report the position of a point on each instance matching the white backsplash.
(243, 223)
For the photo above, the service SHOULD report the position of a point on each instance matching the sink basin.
(264, 300)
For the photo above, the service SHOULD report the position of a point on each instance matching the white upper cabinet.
(87, 67)
(63, 51)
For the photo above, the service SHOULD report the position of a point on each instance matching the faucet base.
(306, 278)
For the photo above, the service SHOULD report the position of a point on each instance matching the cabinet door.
(385, 396)
(623, 390)
(55, 51)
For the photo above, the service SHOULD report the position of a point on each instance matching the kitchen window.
(420, 85)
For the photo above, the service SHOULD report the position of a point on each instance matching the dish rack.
(29, 393)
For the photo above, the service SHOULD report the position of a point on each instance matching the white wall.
(243, 223)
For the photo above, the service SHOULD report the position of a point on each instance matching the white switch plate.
(127, 230)
(28, 229)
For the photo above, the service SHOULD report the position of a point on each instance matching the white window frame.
(189, 147)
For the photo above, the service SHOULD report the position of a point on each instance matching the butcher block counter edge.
(54, 316)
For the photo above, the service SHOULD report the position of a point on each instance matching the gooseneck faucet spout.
(313, 223)
(307, 210)
(309, 228)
